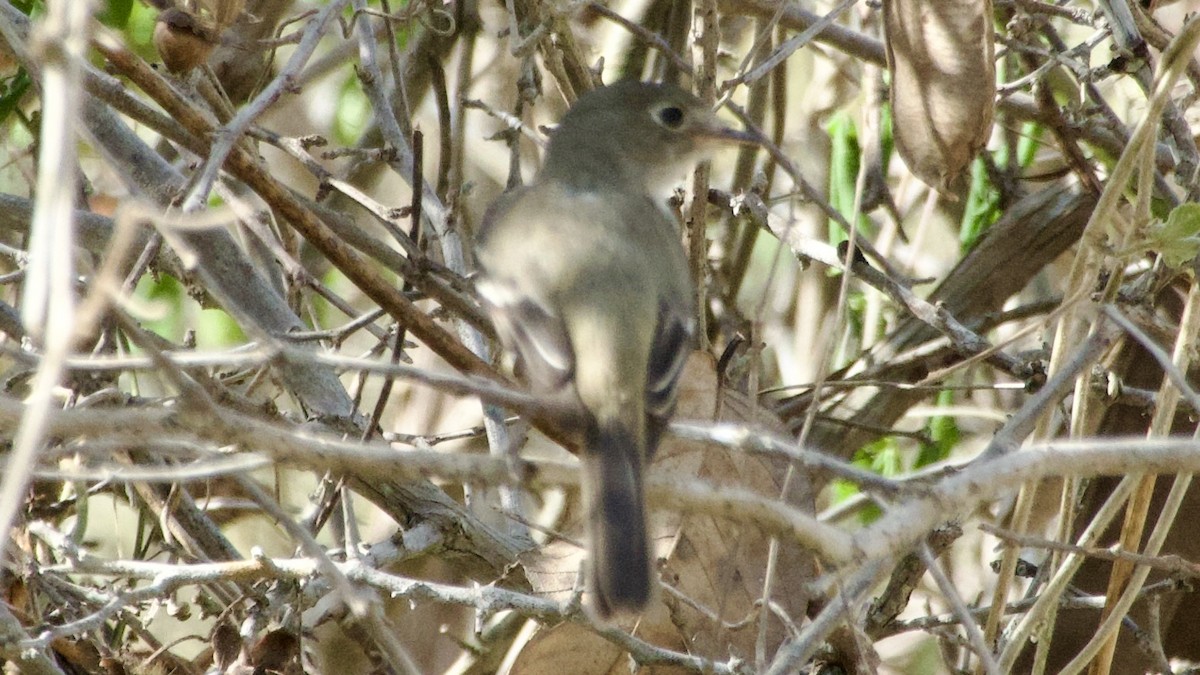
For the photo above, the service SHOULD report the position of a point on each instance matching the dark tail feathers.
(620, 551)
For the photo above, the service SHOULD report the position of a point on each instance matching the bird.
(184, 40)
(587, 283)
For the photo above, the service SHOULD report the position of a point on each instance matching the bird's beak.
(716, 131)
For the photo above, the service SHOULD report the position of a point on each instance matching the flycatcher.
(585, 277)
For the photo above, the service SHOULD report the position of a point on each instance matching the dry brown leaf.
(940, 56)
(717, 564)
(79, 653)
(566, 648)
(275, 651)
(226, 645)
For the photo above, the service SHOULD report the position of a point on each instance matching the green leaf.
(1031, 140)
(943, 432)
(353, 112)
(11, 91)
(139, 31)
(1178, 239)
(982, 208)
(843, 169)
(887, 137)
(881, 456)
(115, 13)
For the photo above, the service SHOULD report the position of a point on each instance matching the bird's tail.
(620, 551)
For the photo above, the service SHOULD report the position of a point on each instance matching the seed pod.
(940, 55)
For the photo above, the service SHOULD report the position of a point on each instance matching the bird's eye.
(671, 117)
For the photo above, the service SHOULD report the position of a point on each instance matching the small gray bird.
(586, 280)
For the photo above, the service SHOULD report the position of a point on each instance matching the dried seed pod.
(940, 55)
(184, 40)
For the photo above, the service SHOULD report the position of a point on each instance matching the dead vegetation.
(254, 421)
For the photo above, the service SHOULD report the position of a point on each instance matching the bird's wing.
(668, 354)
(531, 331)
(526, 321)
